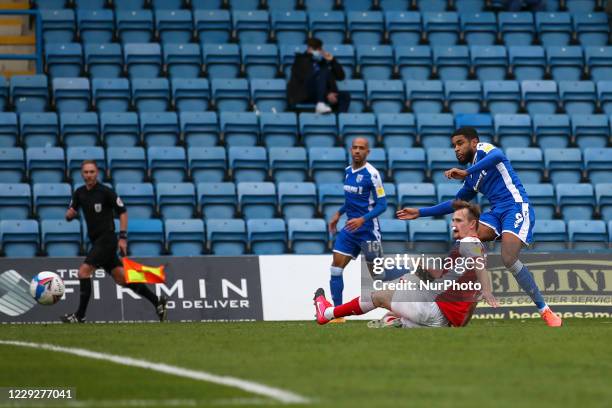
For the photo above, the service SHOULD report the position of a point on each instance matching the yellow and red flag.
(138, 273)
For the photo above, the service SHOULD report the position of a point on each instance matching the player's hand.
(490, 299)
(354, 224)
(123, 247)
(457, 174)
(327, 55)
(332, 98)
(71, 214)
(333, 223)
(407, 214)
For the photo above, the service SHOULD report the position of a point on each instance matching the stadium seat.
(599, 61)
(217, 200)
(129, 5)
(79, 129)
(385, 96)
(126, 164)
(190, 94)
(287, 57)
(576, 201)
(490, 62)
(174, 26)
(396, 129)
(139, 199)
(60, 237)
(239, 128)
(96, 26)
(424, 96)
(542, 199)
(483, 123)
(463, 97)
(451, 62)
(330, 198)
(446, 191)
(554, 28)
(289, 26)
(64, 60)
(142, 60)
(479, 28)
(19, 238)
(429, 235)
(281, 5)
(356, 89)
(150, 94)
(288, 164)
(307, 236)
(552, 130)
(16, 201)
(563, 165)
(549, 235)
(260, 60)
(267, 236)
(578, 97)
(597, 164)
(46, 164)
(416, 194)
(167, 164)
(269, 95)
(29, 93)
(185, 237)
(431, 5)
(226, 237)
(77, 154)
(182, 61)
(527, 162)
(207, 164)
(119, 129)
(318, 130)
(159, 129)
(391, 196)
(407, 164)
(252, 26)
(297, 200)
(442, 27)
(230, 95)
(71, 94)
(603, 195)
(327, 164)
(365, 27)
(513, 130)
(9, 131)
(502, 96)
(604, 94)
(527, 62)
(435, 129)
(577, 6)
(103, 60)
(395, 5)
(248, 163)
(566, 63)
(39, 129)
(440, 160)
(89, 4)
(590, 130)
(587, 234)
(539, 97)
(278, 129)
(12, 164)
(328, 26)
(375, 61)
(146, 237)
(345, 55)
(176, 200)
(199, 129)
(111, 94)
(394, 234)
(414, 62)
(591, 28)
(404, 27)
(378, 158)
(135, 26)
(516, 28)
(213, 26)
(58, 25)
(351, 125)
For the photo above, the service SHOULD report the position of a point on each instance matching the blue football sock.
(336, 285)
(526, 282)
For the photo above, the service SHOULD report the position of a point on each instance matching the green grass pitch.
(489, 363)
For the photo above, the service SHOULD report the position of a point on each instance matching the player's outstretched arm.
(412, 213)
(407, 214)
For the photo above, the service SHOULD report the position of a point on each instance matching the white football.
(47, 288)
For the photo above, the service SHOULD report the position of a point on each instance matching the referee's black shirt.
(99, 206)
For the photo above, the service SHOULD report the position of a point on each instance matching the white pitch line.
(249, 386)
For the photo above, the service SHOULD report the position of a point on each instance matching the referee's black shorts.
(103, 253)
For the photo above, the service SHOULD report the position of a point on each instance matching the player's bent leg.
(141, 289)
(486, 233)
(325, 312)
(85, 273)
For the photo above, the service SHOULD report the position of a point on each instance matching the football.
(47, 288)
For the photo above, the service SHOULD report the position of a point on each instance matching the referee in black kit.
(99, 204)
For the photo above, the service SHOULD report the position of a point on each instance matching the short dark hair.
(472, 209)
(467, 131)
(314, 43)
(89, 162)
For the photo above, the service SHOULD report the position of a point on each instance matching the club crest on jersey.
(98, 207)
(359, 178)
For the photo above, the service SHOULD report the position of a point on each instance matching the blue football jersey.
(362, 189)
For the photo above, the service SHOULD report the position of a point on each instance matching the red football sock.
(349, 308)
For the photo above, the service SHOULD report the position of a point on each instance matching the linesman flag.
(138, 273)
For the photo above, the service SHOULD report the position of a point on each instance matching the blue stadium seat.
(527, 162)
(463, 97)
(431, 5)
(111, 94)
(230, 94)
(446, 191)
(146, 237)
(603, 195)
(159, 129)
(176, 200)
(407, 164)
(29, 93)
(552, 130)
(12, 164)
(385, 96)
(139, 199)
(527, 62)
(549, 235)
(60, 237)
(126, 164)
(539, 97)
(416, 194)
(318, 130)
(199, 129)
(328, 26)
(414, 62)
(396, 130)
(356, 89)
(435, 129)
(289, 26)
(252, 26)
(103, 60)
(320, 5)
(58, 25)
(375, 61)
(174, 26)
(119, 129)
(394, 234)
(604, 94)
(395, 5)
(307, 236)
(260, 60)
(452, 62)
(282, 5)
(391, 195)
(330, 198)
(599, 61)
(502, 96)
(479, 28)
(89, 4)
(269, 95)
(190, 94)
(345, 55)
(9, 131)
(578, 97)
(207, 164)
(587, 234)
(79, 129)
(440, 160)
(563, 165)
(554, 28)
(287, 57)
(167, 163)
(39, 129)
(429, 235)
(365, 27)
(288, 164)
(185, 237)
(239, 128)
(576, 201)
(77, 154)
(278, 129)
(404, 28)
(129, 5)
(351, 125)
(378, 158)
(213, 26)
(482, 122)
(150, 94)
(516, 28)
(19, 238)
(16, 202)
(162, 5)
(542, 199)
(356, 5)
(327, 164)
(597, 164)
(182, 61)
(135, 26)
(297, 200)
(64, 60)
(46, 164)
(217, 200)
(490, 62)
(248, 163)
(590, 130)
(424, 96)
(566, 63)
(71, 94)
(96, 26)
(591, 28)
(578, 6)
(267, 236)
(226, 237)
(442, 27)
(142, 60)
(513, 130)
